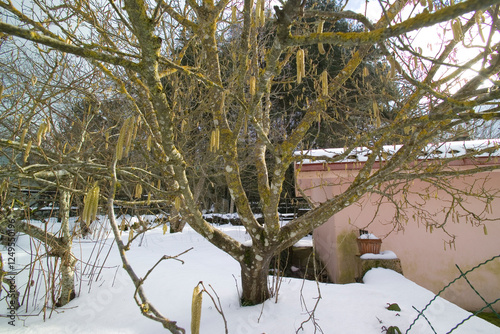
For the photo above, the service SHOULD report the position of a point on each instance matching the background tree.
(41, 130)
(134, 45)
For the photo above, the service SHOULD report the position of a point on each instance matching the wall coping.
(469, 152)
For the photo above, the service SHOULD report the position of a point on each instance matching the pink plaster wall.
(426, 257)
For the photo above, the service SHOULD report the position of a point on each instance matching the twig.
(218, 305)
(147, 309)
(313, 311)
(164, 257)
(261, 311)
(237, 289)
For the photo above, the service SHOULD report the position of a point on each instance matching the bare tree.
(36, 96)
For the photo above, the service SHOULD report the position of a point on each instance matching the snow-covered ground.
(350, 308)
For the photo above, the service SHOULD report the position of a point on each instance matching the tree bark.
(176, 222)
(254, 278)
(68, 261)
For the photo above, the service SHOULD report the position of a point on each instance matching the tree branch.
(64, 47)
(376, 36)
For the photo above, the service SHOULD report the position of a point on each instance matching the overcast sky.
(358, 6)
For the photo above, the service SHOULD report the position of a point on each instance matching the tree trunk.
(199, 190)
(13, 292)
(176, 222)
(254, 279)
(67, 259)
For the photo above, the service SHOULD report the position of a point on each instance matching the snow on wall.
(432, 151)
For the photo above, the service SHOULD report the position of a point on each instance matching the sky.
(373, 11)
(429, 39)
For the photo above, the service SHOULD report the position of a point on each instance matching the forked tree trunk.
(254, 280)
(67, 259)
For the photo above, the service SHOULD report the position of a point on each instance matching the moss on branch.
(422, 20)
(65, 47)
